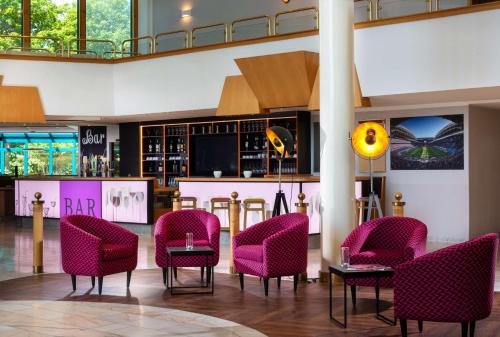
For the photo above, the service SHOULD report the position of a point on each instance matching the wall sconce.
(286, 1)
(186, 13)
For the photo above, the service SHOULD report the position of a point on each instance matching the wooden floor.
(280, 314)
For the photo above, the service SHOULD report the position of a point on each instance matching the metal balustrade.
(135, 49)
(178, 39)
(41, 43)
(92, 46)
(250, 28)
(299, 19)
(209, 34)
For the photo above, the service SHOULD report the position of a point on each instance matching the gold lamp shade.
(281, 139)
(370, 140)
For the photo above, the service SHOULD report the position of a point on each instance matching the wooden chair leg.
(295, 282)
(353, 295)
(99, 283)
(465, 329)
(73, 282)
(129, 276)
(404, 328)
(92, 279)
(420, 326)
(278, 282)
(266, 285)
(164, 271)
(472, 328)
(242, 281)
(202, 272)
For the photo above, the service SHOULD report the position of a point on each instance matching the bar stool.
(222, 204)
(361, 207)
(247, 207)
(191, 200)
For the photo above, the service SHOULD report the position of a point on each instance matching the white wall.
(448, 53)
(78, 89)
(167, 13)
(187, 82)
(440, 199)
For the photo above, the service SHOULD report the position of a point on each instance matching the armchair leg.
(202, 271)
(242, 281)
(164, 271)
(353, 295)
(129, 276)
(404, 328)
(92, 279)
(73, 282)
(472, 328)
(99, 283)
(465, 329)
(295, 282)
(278, 281)
(209, 274)
(266, 285)
(420, 326)
(175, 273)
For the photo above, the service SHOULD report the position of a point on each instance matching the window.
(11, 22)
(108, 20)
(54, 18)
(38, 153)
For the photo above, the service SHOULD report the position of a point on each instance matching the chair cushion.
(386, 257)
(181, 243)
(250, 252)
(114, 251)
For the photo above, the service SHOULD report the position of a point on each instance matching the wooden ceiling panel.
(20, 105)
(237, 98)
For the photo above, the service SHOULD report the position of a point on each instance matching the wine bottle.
(256, 143)
(246, 143)
(150, 146)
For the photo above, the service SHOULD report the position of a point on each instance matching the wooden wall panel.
(281, 80)
(20, 105)
(237, 98)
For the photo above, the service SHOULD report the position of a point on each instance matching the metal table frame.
(347, 274)
(196, 251)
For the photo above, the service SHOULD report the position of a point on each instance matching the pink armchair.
(388, 241)
(454, 284)
(273, 248)
(96, 247)
(170, 231)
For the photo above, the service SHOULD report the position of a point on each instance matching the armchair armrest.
(213, 230)
(77, 246)
(285, 252)
(416, 244)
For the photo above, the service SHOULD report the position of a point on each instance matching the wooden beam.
(82, 24)
(135, 25)
(26, 28)
(237, 98)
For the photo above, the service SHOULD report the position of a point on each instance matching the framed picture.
(427, 143)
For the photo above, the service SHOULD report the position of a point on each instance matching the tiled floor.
(87, 319)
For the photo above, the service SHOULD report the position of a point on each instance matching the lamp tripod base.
(373, 199)
(278, 201)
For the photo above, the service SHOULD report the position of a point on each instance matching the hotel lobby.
(249, 168)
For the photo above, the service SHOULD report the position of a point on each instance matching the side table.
(195, 251)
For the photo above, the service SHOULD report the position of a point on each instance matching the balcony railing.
(287, 22)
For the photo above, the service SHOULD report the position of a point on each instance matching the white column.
(336, 121)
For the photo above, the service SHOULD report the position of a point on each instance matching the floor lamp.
(370, 141)
(282, 142)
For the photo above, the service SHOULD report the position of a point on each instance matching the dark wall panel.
(129, 150)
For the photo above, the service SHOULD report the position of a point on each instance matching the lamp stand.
(280, 196)
(373, 198)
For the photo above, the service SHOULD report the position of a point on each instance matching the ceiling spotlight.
(186, 13)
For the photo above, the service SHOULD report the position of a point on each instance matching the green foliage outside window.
(11, 22)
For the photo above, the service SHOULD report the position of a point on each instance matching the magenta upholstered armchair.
(273, 248)
(96, 247)
(388, 241)
(170, 231)
(454, 284)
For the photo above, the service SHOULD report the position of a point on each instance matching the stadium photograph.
(427, 143)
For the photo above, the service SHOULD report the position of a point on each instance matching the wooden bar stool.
(248, 207)
(191, 200)
(221, 204)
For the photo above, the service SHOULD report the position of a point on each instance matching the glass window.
(53, 18)
(11, 22)
(62, 159)
(13, 156)
(108, 20)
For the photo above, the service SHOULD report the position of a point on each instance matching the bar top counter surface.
(85, 178)
(285, 179)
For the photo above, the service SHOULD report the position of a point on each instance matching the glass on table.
(189, 241)
(344, 257)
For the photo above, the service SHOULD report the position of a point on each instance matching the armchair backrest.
(278, 223)
(179, 223)
(392, 232)
(98, 227)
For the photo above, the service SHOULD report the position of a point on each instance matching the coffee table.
(349, 273)
(195, 251)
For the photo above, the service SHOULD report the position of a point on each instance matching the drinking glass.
(344, 257)
(189, 241)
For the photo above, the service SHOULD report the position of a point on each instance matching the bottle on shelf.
(256, 143)
(171, 148)
(246, 143)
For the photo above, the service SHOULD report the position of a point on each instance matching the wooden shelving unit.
(255, 153)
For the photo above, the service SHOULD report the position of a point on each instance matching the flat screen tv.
(210, 153)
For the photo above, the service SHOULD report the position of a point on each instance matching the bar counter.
(273, 179)
(120, 199)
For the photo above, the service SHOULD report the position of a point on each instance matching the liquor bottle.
(246, 143)
(264, 142)
(150, 146)
(171, 146)
(256, 143)
(157, 145)
(181, 147)
(178, 147)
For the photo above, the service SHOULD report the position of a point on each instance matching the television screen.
(214, 153)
